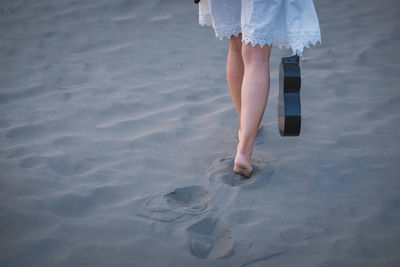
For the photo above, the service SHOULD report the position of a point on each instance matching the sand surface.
(118, 134)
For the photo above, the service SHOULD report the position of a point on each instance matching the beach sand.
(118, 134)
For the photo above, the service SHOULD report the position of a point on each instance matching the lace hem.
(296, 41)
(228, 32)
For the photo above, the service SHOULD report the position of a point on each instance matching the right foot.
(243, 165)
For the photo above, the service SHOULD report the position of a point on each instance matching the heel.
(240, 168)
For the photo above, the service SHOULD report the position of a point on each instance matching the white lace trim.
(295, 41)
(228, 32)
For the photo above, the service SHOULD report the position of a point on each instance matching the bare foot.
(243, 165)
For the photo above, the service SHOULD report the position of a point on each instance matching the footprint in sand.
(210, 239)
(221, 170)
(176, 206)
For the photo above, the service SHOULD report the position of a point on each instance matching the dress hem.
(297, 41)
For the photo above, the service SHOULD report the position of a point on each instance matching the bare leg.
(235, 70)
(254, 97)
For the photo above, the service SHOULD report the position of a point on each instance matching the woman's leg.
(254, 97)
(235, 70)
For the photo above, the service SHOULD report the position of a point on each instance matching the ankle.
(244, 149)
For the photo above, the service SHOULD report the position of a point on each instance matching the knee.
(255, 54)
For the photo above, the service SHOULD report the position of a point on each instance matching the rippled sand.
(118, 134)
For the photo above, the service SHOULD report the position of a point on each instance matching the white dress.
(286, 23)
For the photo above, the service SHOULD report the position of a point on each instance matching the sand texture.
(118, 134)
